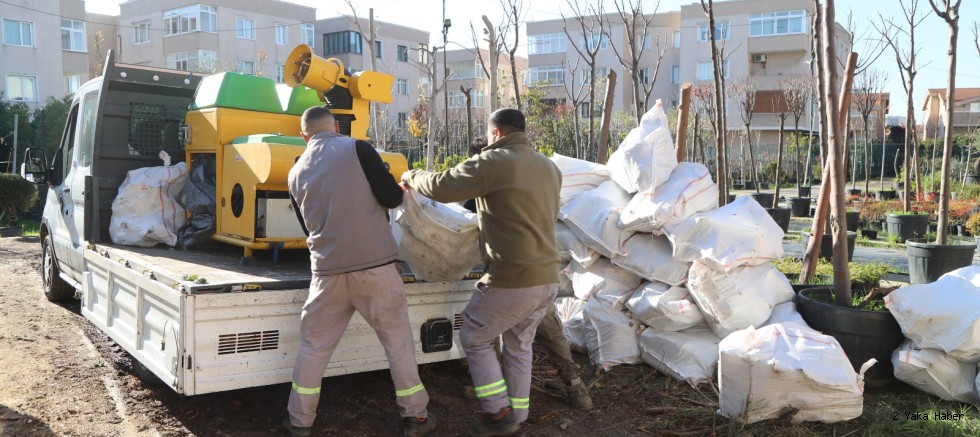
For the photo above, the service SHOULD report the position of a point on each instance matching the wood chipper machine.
(251, 128)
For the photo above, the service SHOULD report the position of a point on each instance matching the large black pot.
(800, 206)
(764, 199)
(886, 195)
(781, 216)
(827, 245)
(862, 334)
(852, 218)
(804, 192)
(906, 226)
(929, 261)
(854, 192)
(973, 178)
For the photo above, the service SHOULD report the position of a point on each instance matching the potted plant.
(868, 276)
(973, 227)
(16, 196)
(907, 225)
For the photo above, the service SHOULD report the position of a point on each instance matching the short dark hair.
(477, 145)
(316, 113)
(508, 119)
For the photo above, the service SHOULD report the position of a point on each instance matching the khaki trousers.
(514, 314)
(379, 296)
(551, 337)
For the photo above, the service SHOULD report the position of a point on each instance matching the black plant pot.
(827, 245)
(804, 191)
(852, 218)
(764, 199)
(749, 185)
(781, 217)
(929, 261)
(886, 195)
(906, 226)
(871, 234)
(961, 230)
(862, 334)
(731, 198)
(800, 206)
(952, 230)
(854, 192)
(933, 228)
(973, 178)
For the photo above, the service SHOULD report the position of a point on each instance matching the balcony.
(799, 42)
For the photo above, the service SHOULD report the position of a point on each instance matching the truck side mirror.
(35, 167)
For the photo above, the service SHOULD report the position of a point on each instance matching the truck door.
(76, 191)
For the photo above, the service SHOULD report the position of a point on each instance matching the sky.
(427, 15)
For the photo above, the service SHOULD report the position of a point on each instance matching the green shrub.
(16, 196)
(973, 224)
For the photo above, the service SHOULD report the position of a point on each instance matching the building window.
(601, 40)
(245, 67)
(402, 53)
(280, 73)
(721, 31)
(464, 70)
(546, 43)
(644, 76)
(141, 32)
(195, 60)
(21, 88)
(600, 72)
(584, 109)
(341, 42)
(424, 89)
(675, 74)
(677, 39)
(550, 75)
(281, 34)
(706, 72)
(777, 23)
(402, 120)
(306, 33)
(975, 107)
(401, 87)
(423, 53)
(457, 99)
(72, 83)
(72, 35)
(194, 18)
(18, 33)
(377, 49)
(244, 28)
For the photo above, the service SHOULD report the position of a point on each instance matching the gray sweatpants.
(379, 296)
(513, 313)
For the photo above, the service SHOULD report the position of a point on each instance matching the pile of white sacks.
(660, 274)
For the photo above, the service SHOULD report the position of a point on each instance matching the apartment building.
(467, 71)
(764, 42)
(44, 50)
(966, 112)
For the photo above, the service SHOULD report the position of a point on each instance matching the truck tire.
(145, 375)
(55, 288)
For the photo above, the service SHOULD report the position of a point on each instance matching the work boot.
(578, 395)
(296, 431)
(418, 427)
(501, 423)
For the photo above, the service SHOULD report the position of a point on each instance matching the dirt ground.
(61, 376)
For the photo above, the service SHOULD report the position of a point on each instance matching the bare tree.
(866, 98)
(370, 36)
(576, 95)
(796, 95)
(493, 50)
(716, 63)
(592, 27)
(744, 94)
(949, 11)
(703, 106)
(780, 107)
(636, 27)
(98, 45)
(892, 33)
(515, 12)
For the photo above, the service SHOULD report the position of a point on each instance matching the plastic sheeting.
(198, 198)
(765, 372)
(571, 248)
(601, 278)
(593, 217)
(578, 176)
(440, 242)
(741, 298)
(690, 355)
(616, 333)
(651, 257)
(738, 234)
(942, 315)
(936, 373)
(664, 307)
(689, 190)
(645, 158)
(145, 211)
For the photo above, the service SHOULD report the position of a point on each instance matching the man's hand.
(406, 177)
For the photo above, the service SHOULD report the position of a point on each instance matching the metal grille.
(247, 342)
(457, 322)
(147, 128)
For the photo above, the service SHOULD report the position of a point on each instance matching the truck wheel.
(55, 288)
(145, 375)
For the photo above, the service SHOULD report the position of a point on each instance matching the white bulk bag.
(616, 334)
(764, 372)
(578, 176)
(690, 355)
(440, 242)
(784, 313)
(571, 248)
(651, 257)
(145, 211)
(664, 307)
(645, 158)
(576, 327)
(601, 278)
(935, 372)
(593, 217)
(738, 234)
(738, 299)
(689, 190)
(942, 315)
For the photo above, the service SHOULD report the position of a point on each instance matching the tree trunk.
(779, 161)
(867, 159)
(884, 156)
(754, 168)
(606, 117)
(722, 178)
(796, 165)
(944, 188)
(591, 146)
